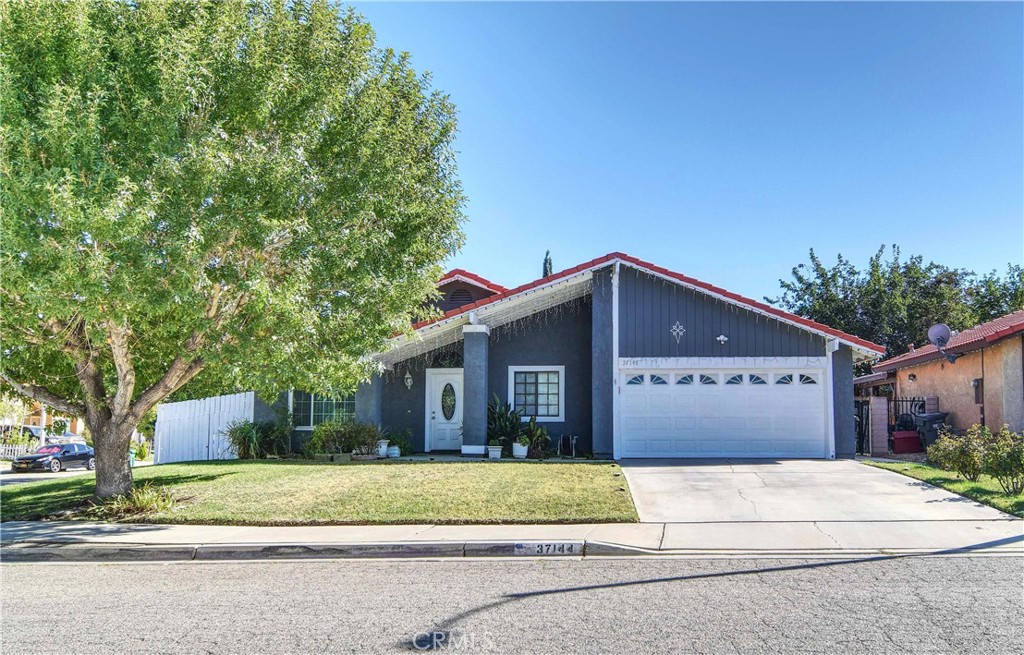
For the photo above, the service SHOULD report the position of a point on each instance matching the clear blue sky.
(725, 140)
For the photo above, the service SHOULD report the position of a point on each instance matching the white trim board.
(669, 363)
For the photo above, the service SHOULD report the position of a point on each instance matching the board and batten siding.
(194, 430)
(649, 306)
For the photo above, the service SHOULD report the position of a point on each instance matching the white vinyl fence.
(193, 430)
(10, 451)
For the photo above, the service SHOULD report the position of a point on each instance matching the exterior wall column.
(368, 400)
(474, 389)
(879, 434)
(842, 402)
(602, 364)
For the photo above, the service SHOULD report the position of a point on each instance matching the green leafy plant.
(143, 451)
(504, 424)
(145, 499)
(365, 437)
(536, 438)
(210, 194)
(330, 437)
(523, 440)
(403, 443)
(57, 428)
(497, 443)
(961, 453)
(1004, 460)
(252, 440)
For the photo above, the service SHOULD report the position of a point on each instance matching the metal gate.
(862, 416)
(903, 412)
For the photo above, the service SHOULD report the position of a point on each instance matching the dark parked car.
(54, 457)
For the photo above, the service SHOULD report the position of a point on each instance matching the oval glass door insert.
(448, 401)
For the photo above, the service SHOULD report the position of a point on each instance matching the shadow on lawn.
(33, 501)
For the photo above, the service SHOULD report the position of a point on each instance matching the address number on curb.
(550, 548)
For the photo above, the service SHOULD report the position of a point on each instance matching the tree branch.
(125, 369)
(45, 396)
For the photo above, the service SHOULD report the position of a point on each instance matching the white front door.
(444, 409)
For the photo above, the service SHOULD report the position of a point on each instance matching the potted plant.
(520, 447)
(382, 447)
(494, 449)
(504, 424)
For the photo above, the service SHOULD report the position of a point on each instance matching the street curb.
(28, 552)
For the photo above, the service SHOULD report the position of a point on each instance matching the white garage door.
(741, 413)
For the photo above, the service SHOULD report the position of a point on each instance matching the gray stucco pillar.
(602, 366)
(842, 402)
(474, 389)
(368, 401)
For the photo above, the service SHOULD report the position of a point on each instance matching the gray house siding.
(560, 338)
(402, 409)
(650, 306)
(601, 361)
(842, 402)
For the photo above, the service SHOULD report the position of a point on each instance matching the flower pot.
(519, 451)
(382, 448)
(394, 451)
(493, 452)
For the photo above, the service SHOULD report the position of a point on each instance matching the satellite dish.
(939, 335)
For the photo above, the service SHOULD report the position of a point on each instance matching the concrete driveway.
(685, 491)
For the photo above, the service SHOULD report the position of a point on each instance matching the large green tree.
(894, 301)
(230, 195)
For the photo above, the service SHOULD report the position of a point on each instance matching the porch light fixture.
(912, 377)
(721, 339)
(408, 380)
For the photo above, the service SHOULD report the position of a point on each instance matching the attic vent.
(460, 297)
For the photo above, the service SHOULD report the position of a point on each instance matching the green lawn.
(986, 490)
(307, 493)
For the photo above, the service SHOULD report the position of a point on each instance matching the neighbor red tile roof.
(974, 339)
(472, 277)
(639, 263)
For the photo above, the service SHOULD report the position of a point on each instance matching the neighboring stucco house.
(984, 385)
(633, 359)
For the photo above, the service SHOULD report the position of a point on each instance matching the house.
(985, 383)
(631, 358)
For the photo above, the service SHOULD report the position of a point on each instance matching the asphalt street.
(917, 604)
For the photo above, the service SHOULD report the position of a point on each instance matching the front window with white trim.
(310, 410)
(538, 391)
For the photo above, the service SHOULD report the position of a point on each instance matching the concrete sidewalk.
(84, 541)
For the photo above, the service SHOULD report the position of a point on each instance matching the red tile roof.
(472, 277)
(639, 263)
(974, 339)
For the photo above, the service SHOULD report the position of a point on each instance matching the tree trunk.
(113, 467)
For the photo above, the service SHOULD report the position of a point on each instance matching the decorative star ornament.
(678, 331)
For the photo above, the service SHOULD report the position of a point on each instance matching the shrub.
(143, 451)
(143, 500)
(1004, 460)
(536, 437)
(257, 440)
(365, 437)
(963, 454)
(330, 437)
(504, 424)
(403, 443)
